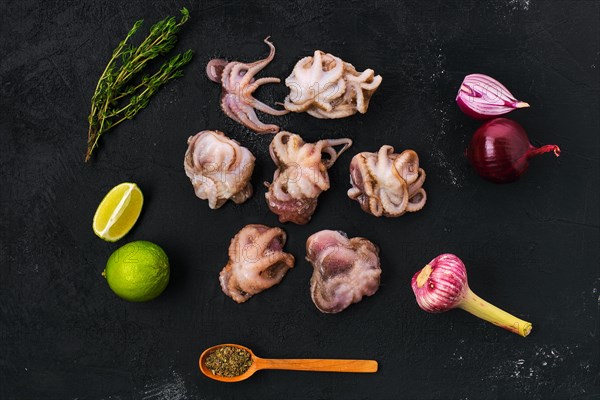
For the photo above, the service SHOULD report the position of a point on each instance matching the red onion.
(483, 97)
(500, 150)
(442, 285)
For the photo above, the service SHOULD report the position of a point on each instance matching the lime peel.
(138, 271)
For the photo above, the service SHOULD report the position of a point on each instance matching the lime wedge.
(118, 212)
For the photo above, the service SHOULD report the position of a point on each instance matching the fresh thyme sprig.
(115, 99)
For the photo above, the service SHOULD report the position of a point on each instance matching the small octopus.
(256, 262)
(388, 184)
(301, 175)
(326, 87)
(238, 83)
(345, 270)
(219, 168)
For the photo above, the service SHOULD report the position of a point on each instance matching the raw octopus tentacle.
(324, 86)
(345, 270)
(301, 174)
(219, 168)
(256, 262)
(238, 85)
(385, 183)
(328, 147)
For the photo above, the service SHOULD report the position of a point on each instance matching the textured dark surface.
(530, 247)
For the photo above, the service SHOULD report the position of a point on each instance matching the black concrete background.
(530, 247)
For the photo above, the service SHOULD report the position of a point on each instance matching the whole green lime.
(138, 271)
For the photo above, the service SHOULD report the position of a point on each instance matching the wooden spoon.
(309, 364)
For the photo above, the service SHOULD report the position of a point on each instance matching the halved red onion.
(483, 97)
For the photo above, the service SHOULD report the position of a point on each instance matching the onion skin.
(442, 285)
(500, 150)
(482, 97)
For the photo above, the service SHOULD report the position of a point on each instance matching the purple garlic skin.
(441, 285)
(482, 97)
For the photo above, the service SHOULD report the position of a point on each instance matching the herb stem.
(124, 65)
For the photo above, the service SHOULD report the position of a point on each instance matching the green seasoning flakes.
(228, 361)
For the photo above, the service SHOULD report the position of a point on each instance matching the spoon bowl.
(245, 375)
(307, 364)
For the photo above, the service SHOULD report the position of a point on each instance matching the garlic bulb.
(442, 285)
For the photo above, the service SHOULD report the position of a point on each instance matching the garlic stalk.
(442, 285)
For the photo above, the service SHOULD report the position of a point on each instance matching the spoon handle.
(315, 364)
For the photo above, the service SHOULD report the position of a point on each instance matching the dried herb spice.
(228, 361)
